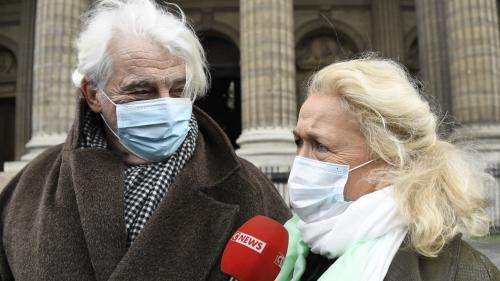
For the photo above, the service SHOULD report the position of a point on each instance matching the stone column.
(24, 85)
(474, 56)
(387, 32)
(433, 53)
(54, 100)
(268, 82)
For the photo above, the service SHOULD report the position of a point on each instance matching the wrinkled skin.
(327, 132)
(141, 70)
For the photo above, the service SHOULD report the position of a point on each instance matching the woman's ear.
(89, 92)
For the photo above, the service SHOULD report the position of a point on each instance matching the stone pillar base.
(268, 147)
(5, 178)
(14, 166)
(35, 146)
(485, 141)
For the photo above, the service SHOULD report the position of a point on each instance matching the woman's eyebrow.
(321, 139)
(312, 135)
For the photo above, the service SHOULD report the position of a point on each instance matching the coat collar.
(187, 211)
(407, 265)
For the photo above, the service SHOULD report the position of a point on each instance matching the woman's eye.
(298, 142)
(321, 148)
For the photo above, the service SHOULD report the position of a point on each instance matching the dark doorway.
(7, 130)
(8, 71)
(223, 101)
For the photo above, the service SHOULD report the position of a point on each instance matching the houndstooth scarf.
(144, 185)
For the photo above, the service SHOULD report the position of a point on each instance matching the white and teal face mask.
(316, 188)
(152, 129)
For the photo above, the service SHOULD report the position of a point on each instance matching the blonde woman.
(377, 194)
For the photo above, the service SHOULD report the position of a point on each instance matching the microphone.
(256, 251)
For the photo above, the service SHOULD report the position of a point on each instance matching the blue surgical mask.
(152, 129)
(316, 188)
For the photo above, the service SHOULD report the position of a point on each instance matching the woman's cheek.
(323, 156)
(331, 158)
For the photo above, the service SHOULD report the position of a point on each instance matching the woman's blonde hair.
(438, 191)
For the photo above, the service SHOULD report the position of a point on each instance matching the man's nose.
(165, 93)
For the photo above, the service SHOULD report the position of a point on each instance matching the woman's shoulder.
(457, 261)
(473, 265)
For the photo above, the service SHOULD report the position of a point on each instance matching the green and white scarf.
(364, 239)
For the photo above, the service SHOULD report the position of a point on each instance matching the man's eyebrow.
(180, 80)
(141, 84)
(169, 82)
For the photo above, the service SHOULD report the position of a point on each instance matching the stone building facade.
(261, 53)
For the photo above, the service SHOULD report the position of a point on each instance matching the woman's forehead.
(319, 108)
(324, 114)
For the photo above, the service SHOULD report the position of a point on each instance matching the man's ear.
(89, 92)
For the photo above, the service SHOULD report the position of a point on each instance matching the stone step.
(5, 178)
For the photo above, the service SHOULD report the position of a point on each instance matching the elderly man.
(146, 186)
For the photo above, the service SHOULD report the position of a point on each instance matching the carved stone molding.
(322, 48)
(8, 64)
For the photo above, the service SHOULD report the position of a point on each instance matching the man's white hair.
(140, 18)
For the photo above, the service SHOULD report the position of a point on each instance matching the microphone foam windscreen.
(256, 251)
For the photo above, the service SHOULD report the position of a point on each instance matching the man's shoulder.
(263, 191)
(43, 161)
(35, 171)
(254, 176)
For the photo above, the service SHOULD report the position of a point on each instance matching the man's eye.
(141, 93)
(177, 91)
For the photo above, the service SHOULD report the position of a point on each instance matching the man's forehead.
(141, 52)
(136, 60)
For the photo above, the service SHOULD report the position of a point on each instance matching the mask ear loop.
(104, 119)
(107, 125)
(361, 165)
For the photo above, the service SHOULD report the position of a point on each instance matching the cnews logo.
(249, 241)
(278, 261)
